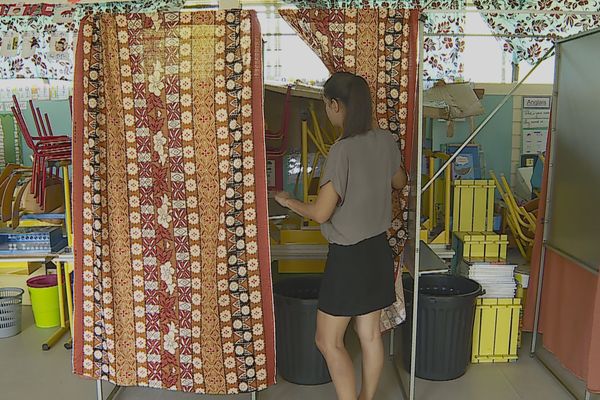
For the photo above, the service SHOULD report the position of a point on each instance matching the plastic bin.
(10, 311)
(298, 359)
(444, 325)
(43, 291)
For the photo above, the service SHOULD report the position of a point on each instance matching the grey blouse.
(361, 169)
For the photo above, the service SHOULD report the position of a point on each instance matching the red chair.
(270, 135)
(277, 154)
(45, 147)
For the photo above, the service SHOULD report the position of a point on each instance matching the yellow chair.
(431, 196)
(521, 222)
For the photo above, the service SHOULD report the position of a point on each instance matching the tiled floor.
(27, 372)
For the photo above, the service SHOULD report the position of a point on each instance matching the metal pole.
(305, 182)
(99, 394)
(485, 121)
(113, 394)
(550, 166)
(254, 395)
(417, 161)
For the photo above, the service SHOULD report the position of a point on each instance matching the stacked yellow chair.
(496, 326)
(520, 221)
(473, 223)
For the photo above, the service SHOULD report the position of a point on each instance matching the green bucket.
(43, 291)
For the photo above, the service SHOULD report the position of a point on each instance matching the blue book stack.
(36, 240)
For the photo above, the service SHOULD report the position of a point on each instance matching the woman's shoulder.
(383, 135)
(384, 132)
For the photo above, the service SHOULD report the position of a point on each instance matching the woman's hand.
(282, 198)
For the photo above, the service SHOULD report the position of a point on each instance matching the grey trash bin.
(444, 325)
(298, 359)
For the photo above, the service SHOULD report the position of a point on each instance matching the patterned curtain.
(443, 54)
(551, 25)
(172, 285)
(35, 57)
(380, 45)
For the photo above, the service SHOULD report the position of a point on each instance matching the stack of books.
(498, 280)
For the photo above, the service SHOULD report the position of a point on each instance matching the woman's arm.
(399, 180)
(320, 211)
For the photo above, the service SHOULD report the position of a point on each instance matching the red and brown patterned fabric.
(172, 263)
(379, 44)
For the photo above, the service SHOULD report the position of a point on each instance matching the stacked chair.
(276, 154)
(49, 150)
(521, 220)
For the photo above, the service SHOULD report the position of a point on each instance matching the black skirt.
(358, 279)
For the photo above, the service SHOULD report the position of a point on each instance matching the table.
(45, 258)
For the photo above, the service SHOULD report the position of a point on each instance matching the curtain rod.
(506, 35)
(248, 4)
(432, 34)
(508, 12)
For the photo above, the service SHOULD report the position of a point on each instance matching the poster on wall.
(534, 140)
(30, 44)
(535, 124)
(467, 164)
(270, 173)
(10, 45)
(59, 47)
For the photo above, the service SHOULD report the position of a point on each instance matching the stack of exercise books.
(498, 280)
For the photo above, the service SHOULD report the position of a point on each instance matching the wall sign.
(535, 123)
(542, 102)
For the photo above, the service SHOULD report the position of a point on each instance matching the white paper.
(536, 114)
(10, 45)
(534, 141)
(535, 123)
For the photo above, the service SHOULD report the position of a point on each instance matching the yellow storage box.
(301, 236)
(496, 330)
(481, 246)
(473, 206)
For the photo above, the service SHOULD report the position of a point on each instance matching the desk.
(430, 260)
(299, 252)
(43, 259)
(66, 262)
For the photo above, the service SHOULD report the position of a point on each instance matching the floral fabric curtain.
(172, 264)
(541, 24)
(443, 54)
(380, 45)
(41, 47)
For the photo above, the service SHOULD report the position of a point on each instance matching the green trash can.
(43, 291)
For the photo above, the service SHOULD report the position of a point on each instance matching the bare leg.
(330, 341)
(367, 328)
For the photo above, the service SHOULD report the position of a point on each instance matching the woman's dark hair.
(352, 91)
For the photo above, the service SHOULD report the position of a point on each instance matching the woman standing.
(354, 208)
